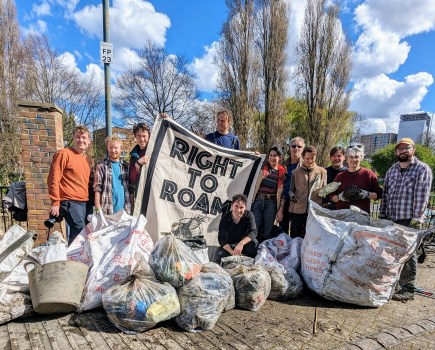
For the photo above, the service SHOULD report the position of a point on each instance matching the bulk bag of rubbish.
(15, 300)
(251, 282)
(113, 250)
(202, 301)
(349, 257)
(79, 249)
(174, 262)
(216, 269)
(282, 249)
(139, 303)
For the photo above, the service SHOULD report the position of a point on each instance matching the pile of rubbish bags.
(345, 256)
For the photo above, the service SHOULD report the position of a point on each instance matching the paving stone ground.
(278, 325)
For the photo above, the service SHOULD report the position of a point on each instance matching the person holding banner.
(237, 233)
(269, 203)
(223, 137)
(137, 155)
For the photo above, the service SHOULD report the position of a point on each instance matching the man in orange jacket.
(68, 182)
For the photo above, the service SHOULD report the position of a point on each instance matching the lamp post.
(107, 91)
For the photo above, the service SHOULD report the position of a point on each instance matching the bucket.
(56, 287)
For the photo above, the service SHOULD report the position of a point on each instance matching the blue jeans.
(264, 211)
(75, 215)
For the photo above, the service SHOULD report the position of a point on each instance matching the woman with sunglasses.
(358, 185)
(269, 204)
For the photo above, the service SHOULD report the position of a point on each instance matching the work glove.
(354, 193)
(342, 197)
(329, 188)
(415, 224)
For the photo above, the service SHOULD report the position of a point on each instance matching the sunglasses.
(297, 146)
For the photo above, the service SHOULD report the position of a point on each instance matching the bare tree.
(324, 65)
(51, 80)
(272, 25)
(238, 66)
(11, 71)
(160, 83)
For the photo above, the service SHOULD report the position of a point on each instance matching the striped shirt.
(103, 183)
(406, 191)
(269, 184)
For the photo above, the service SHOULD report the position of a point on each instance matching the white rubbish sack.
(349, 257)
(15, 300)
(114, 251)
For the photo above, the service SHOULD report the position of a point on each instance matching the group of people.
(72, 179)
(281, 197)
(73, 182)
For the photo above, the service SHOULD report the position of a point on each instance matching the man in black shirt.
(337, 159)
(237, 230)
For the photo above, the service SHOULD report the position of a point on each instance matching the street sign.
(106, 52)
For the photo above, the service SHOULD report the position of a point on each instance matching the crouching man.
(237, 230)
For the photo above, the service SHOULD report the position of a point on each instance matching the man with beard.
(111, 184)
(406, 193)
(222, 136)
(337, 159)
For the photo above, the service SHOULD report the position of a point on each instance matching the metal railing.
(429, 214)
(6, 219)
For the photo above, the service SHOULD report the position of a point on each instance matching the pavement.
(277, 325)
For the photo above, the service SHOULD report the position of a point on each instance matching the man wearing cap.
(406, 193)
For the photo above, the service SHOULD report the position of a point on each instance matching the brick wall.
(41, 136)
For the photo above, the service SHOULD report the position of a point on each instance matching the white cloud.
(384, 24)
(124, 59)
(69, 5)
(92, 72)
(37, 28)
(384, 98)
(205, 70)
(132, 23)
(380, 50)
(43, 9)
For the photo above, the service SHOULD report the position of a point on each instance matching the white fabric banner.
(189, 182)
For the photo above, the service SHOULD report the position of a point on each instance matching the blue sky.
(394, 65)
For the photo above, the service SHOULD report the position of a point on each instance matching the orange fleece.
(68, 178)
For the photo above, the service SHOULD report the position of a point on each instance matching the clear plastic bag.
(285, 284)
(252, 283)
(202, 301)
(215, 268)
(174, 262)
(140, 302)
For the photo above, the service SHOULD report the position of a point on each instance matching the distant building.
(128, 142)
(415, 126)
(374, 142)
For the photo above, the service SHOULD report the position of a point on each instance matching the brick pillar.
(41, 136)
